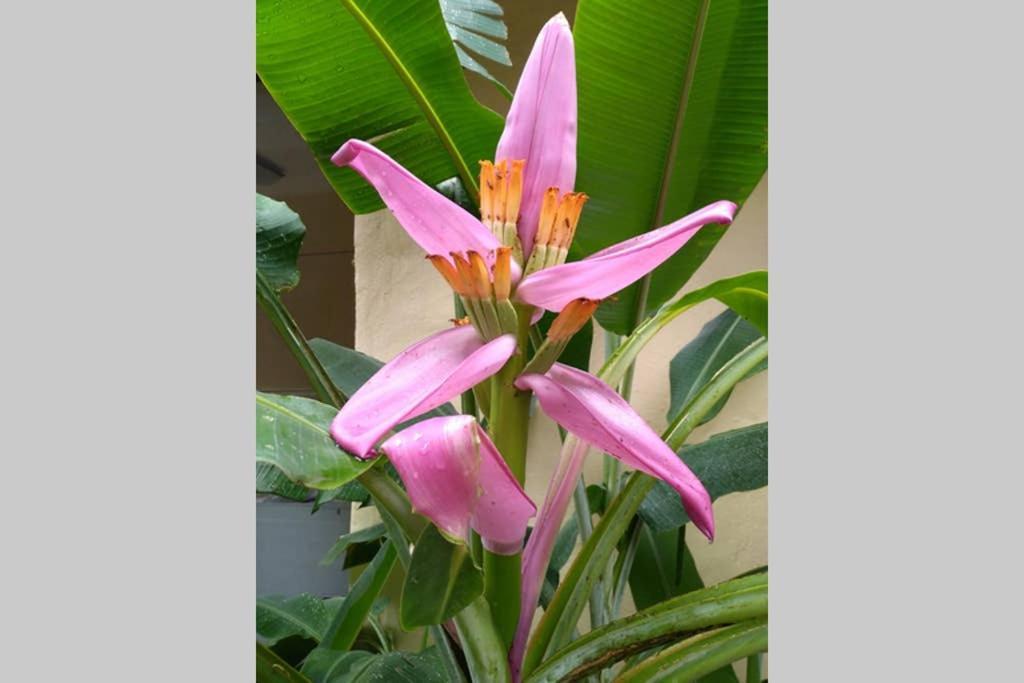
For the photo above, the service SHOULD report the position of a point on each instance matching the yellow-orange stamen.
(503, 273)
(514, 191)
(500, 190)
(481, 275)
(449, 273)
(548, 209)
(459, 322)
(465, 272)
(487, 191)
(572, 318)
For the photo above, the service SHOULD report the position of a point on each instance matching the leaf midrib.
(290, 413)
(417, 93)
(640, 305)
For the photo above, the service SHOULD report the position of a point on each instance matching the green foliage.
(702, 654)
(359, 601)
(325, 666)
(474, 25)
(728, 462)
(384, 71)
(269, 479)
(271, 668)
(291, 434)
(441, 581)
(718, 341)
(279, 233)
(305, 615)
(673, 114)
(726, 603)
(747, 294)
(370, 533)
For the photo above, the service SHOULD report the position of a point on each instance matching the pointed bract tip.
(347, 152)
(559, 20)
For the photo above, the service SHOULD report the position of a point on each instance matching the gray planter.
(290, 542)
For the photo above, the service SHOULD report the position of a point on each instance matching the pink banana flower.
(508, 263)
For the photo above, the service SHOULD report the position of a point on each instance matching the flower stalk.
(508, 425)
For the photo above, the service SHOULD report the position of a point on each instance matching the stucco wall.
(400, 298)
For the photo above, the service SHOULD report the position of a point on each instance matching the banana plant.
(449, 485)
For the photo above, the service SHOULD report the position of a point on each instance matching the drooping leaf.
(305, 615)
(473, 26)
(370, 533)
(441, 581)
(279, 233)
(718, 341)
(358, 602)
(384, 71)
(697, 71)
(324, 666)
(729, 462)
(269, 479)
(291, 434)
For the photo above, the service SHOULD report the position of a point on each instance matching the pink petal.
(456, 478)
(429, 373)
(437, 224)
(605, 272)
(538, 549)
(541, 123)
(592, 410)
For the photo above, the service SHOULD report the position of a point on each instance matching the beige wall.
(400, 299)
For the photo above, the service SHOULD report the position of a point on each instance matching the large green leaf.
(441, 581)
(384, 71)
(325, 666)
(725, 603)
(722, 338)
(279, 233)
(474, 26)
(291, 434)
(278, 617)
(729, 462)
(672, 116)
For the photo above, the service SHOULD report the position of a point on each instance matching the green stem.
(754, 668)
(289, 330)
(509, 427)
